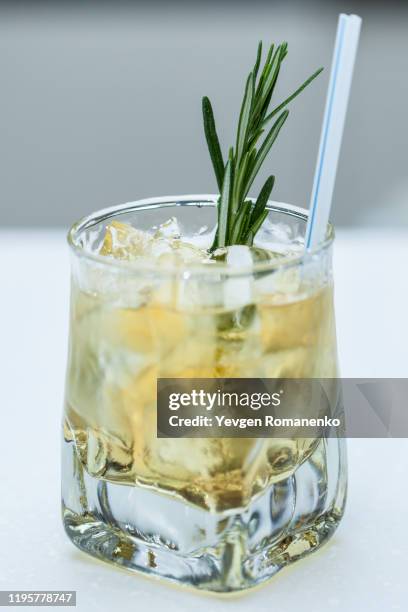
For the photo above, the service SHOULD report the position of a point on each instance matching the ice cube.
(122, 241)
(280, 237)
(169, 229)
(238, 291)
(168, 246)
(175, 251)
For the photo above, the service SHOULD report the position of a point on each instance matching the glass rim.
(203, 200)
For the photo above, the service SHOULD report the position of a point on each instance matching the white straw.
(345, 50)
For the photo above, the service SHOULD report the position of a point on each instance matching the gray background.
(101, 103)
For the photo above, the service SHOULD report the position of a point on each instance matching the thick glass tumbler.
(219, 514)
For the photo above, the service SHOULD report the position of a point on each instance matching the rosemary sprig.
(239, 219)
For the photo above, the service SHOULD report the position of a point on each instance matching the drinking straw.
(345, 50)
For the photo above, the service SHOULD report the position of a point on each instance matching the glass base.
(164, 536)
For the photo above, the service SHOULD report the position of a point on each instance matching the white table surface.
(364, 567)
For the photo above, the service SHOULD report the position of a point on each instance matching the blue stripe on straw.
(326, 130)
